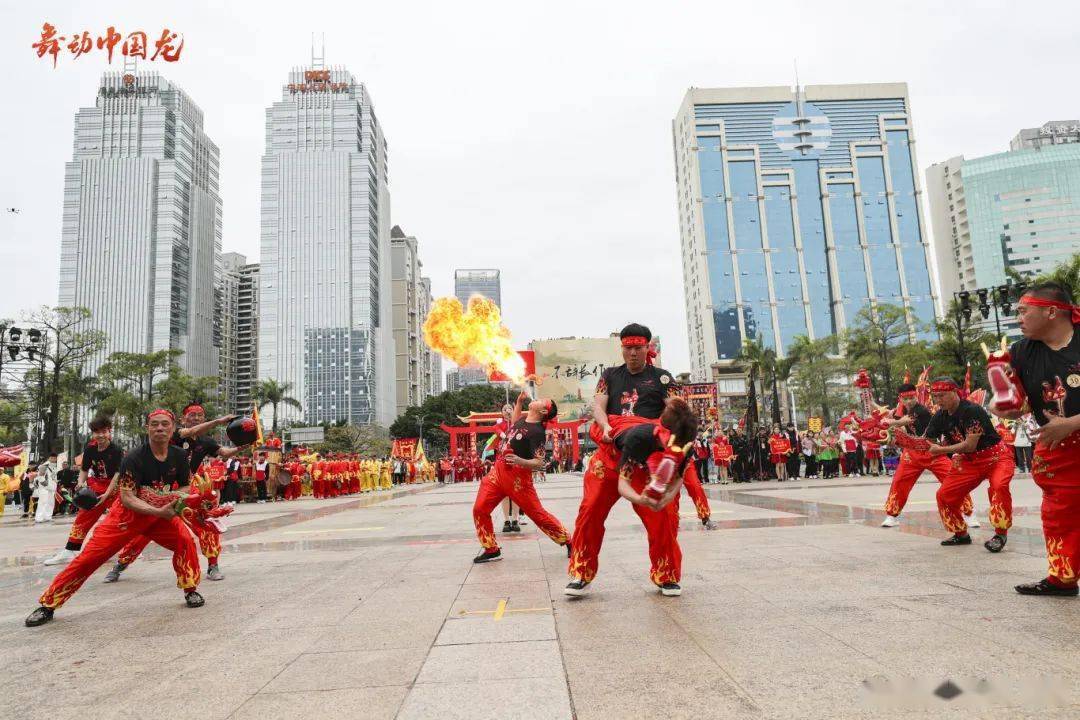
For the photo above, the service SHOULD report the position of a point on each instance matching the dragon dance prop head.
(1008, 391)
(203, 503)
(870, 427)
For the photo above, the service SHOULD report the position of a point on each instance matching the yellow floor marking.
(500, 610)
(332, 530)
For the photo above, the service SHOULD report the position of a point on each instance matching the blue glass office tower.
(796, 210)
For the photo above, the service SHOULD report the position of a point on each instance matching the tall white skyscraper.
(325, 323)
(141, 236)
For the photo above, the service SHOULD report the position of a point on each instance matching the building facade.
(469, 282)
(141, 239)
(1017, 210)
(1055, 132)
(416, 363)
(797, 209)
(227, 298)
(247, 337)
(324, 293)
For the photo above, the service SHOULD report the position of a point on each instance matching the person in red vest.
(779, 449)
(722, 456)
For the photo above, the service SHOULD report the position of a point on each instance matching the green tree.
(815, 374)
(761, 362)
(871, 342)
(445, 409)
(370, 441)
(1066, 274)
(959, 343)
(274, 394)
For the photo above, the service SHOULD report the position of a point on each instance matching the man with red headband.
(196, 449)
(977, 454)
(916, 418)
(99, 470)
(629, 394)
(146, 507)
(1047, 364)
(521, 453)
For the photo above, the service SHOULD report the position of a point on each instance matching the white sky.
(533, 137)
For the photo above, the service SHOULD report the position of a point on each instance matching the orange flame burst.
(473, 336)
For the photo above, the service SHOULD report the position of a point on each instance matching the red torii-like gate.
(484, 423)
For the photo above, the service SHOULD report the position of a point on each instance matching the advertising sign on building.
(569, 369)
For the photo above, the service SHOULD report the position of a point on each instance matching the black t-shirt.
(195, 448)
(526, 439)
(954, 428)
(638, 443)
(102, 464)
(67, 478)
(922, 419)
(1036, 363)
(141, 469)
(642, 394)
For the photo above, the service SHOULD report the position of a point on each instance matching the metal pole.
(997, 321)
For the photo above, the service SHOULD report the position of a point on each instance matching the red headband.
(160, 411)
(634, 341)
(1073, 310)
(908, 393)
(193, 407)
(944, 386)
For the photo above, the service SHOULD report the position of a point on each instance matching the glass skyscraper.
(796, 210)
(324, 281)
(469, 282)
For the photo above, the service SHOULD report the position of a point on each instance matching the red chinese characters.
(135, 45)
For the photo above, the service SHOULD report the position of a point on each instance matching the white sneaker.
(891, 521)
(972, 520)
(62, 557)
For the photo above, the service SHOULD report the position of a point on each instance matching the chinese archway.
(463, 437)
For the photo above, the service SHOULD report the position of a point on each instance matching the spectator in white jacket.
(45, 490)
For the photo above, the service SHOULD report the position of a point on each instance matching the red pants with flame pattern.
(601, 493)
(692, 483)
(996, 464)
(911, 467)
(209, 538)
(1057, 473)
(85, 519)
(515, 483)
(121, 526)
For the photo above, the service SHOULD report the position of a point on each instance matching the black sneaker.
(488, 556)
(575, 588)
(996, 543)
(670, 590)
(957, 540)
(1043, 587)
(114, 574)
(515, 526)
(194, 599)
(506, 526)
(43, 615)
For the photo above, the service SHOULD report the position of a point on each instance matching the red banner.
(404, 448)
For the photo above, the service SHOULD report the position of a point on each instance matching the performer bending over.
(978, 454)
(520, 454)
(195, 448)
(915, 421)
(147, 475)
(100, 465)
(1047, 363)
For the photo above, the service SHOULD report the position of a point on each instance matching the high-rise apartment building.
(411, 293)
(797, 209)
(324, 294)
(141, 238)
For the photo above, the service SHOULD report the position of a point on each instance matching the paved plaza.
(796, 605)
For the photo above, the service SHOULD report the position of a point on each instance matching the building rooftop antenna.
(318, 62)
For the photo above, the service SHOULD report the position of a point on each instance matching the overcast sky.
(530, 137)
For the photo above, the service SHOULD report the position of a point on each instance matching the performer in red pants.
(634, 389)
(520, 454)
(195, 448)
(977, 454)
(692, 483)
(147, 475)
(1047, 364)
(915, 420)
(100, 464)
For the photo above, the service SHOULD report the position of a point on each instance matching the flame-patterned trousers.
(910, 469)
(601, 492)
(318, 488)
(85, 519)
(692, 483)
(120, 527)
(996, 464)
(515, 483)
(209, 538)
(1057, 473)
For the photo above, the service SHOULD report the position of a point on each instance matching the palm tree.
(270, 392)
(761, 360)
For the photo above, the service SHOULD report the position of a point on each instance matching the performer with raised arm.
(147, 507)
(914, 420)
(977, 454)
(1042, 372)
(519, 455)
(195, 448)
